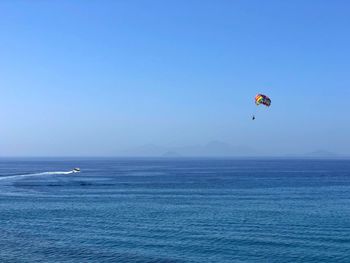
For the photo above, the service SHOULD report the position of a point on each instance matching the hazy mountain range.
(214, 149)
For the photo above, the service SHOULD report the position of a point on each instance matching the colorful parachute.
(262, 99)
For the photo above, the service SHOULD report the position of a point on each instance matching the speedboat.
(76, 170)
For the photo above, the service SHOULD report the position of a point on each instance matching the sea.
(174, 210)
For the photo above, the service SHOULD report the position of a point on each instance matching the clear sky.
(98, 77)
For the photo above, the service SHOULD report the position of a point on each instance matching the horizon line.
(285, 156)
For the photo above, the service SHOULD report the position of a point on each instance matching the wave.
(35, 174)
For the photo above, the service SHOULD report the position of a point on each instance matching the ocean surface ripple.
(168, 210)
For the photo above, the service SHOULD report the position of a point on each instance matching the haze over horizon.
(104, 78)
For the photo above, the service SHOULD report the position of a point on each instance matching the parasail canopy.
(262, 99)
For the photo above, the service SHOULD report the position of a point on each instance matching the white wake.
(34, 174)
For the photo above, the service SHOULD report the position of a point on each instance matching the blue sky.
(99, 77)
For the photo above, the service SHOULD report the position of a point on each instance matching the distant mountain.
(211, 149)
(316, 154)
(322, 153)
(218, 149)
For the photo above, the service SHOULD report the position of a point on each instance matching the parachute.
(262, 99)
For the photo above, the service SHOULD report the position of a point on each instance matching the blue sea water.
(185, 210)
